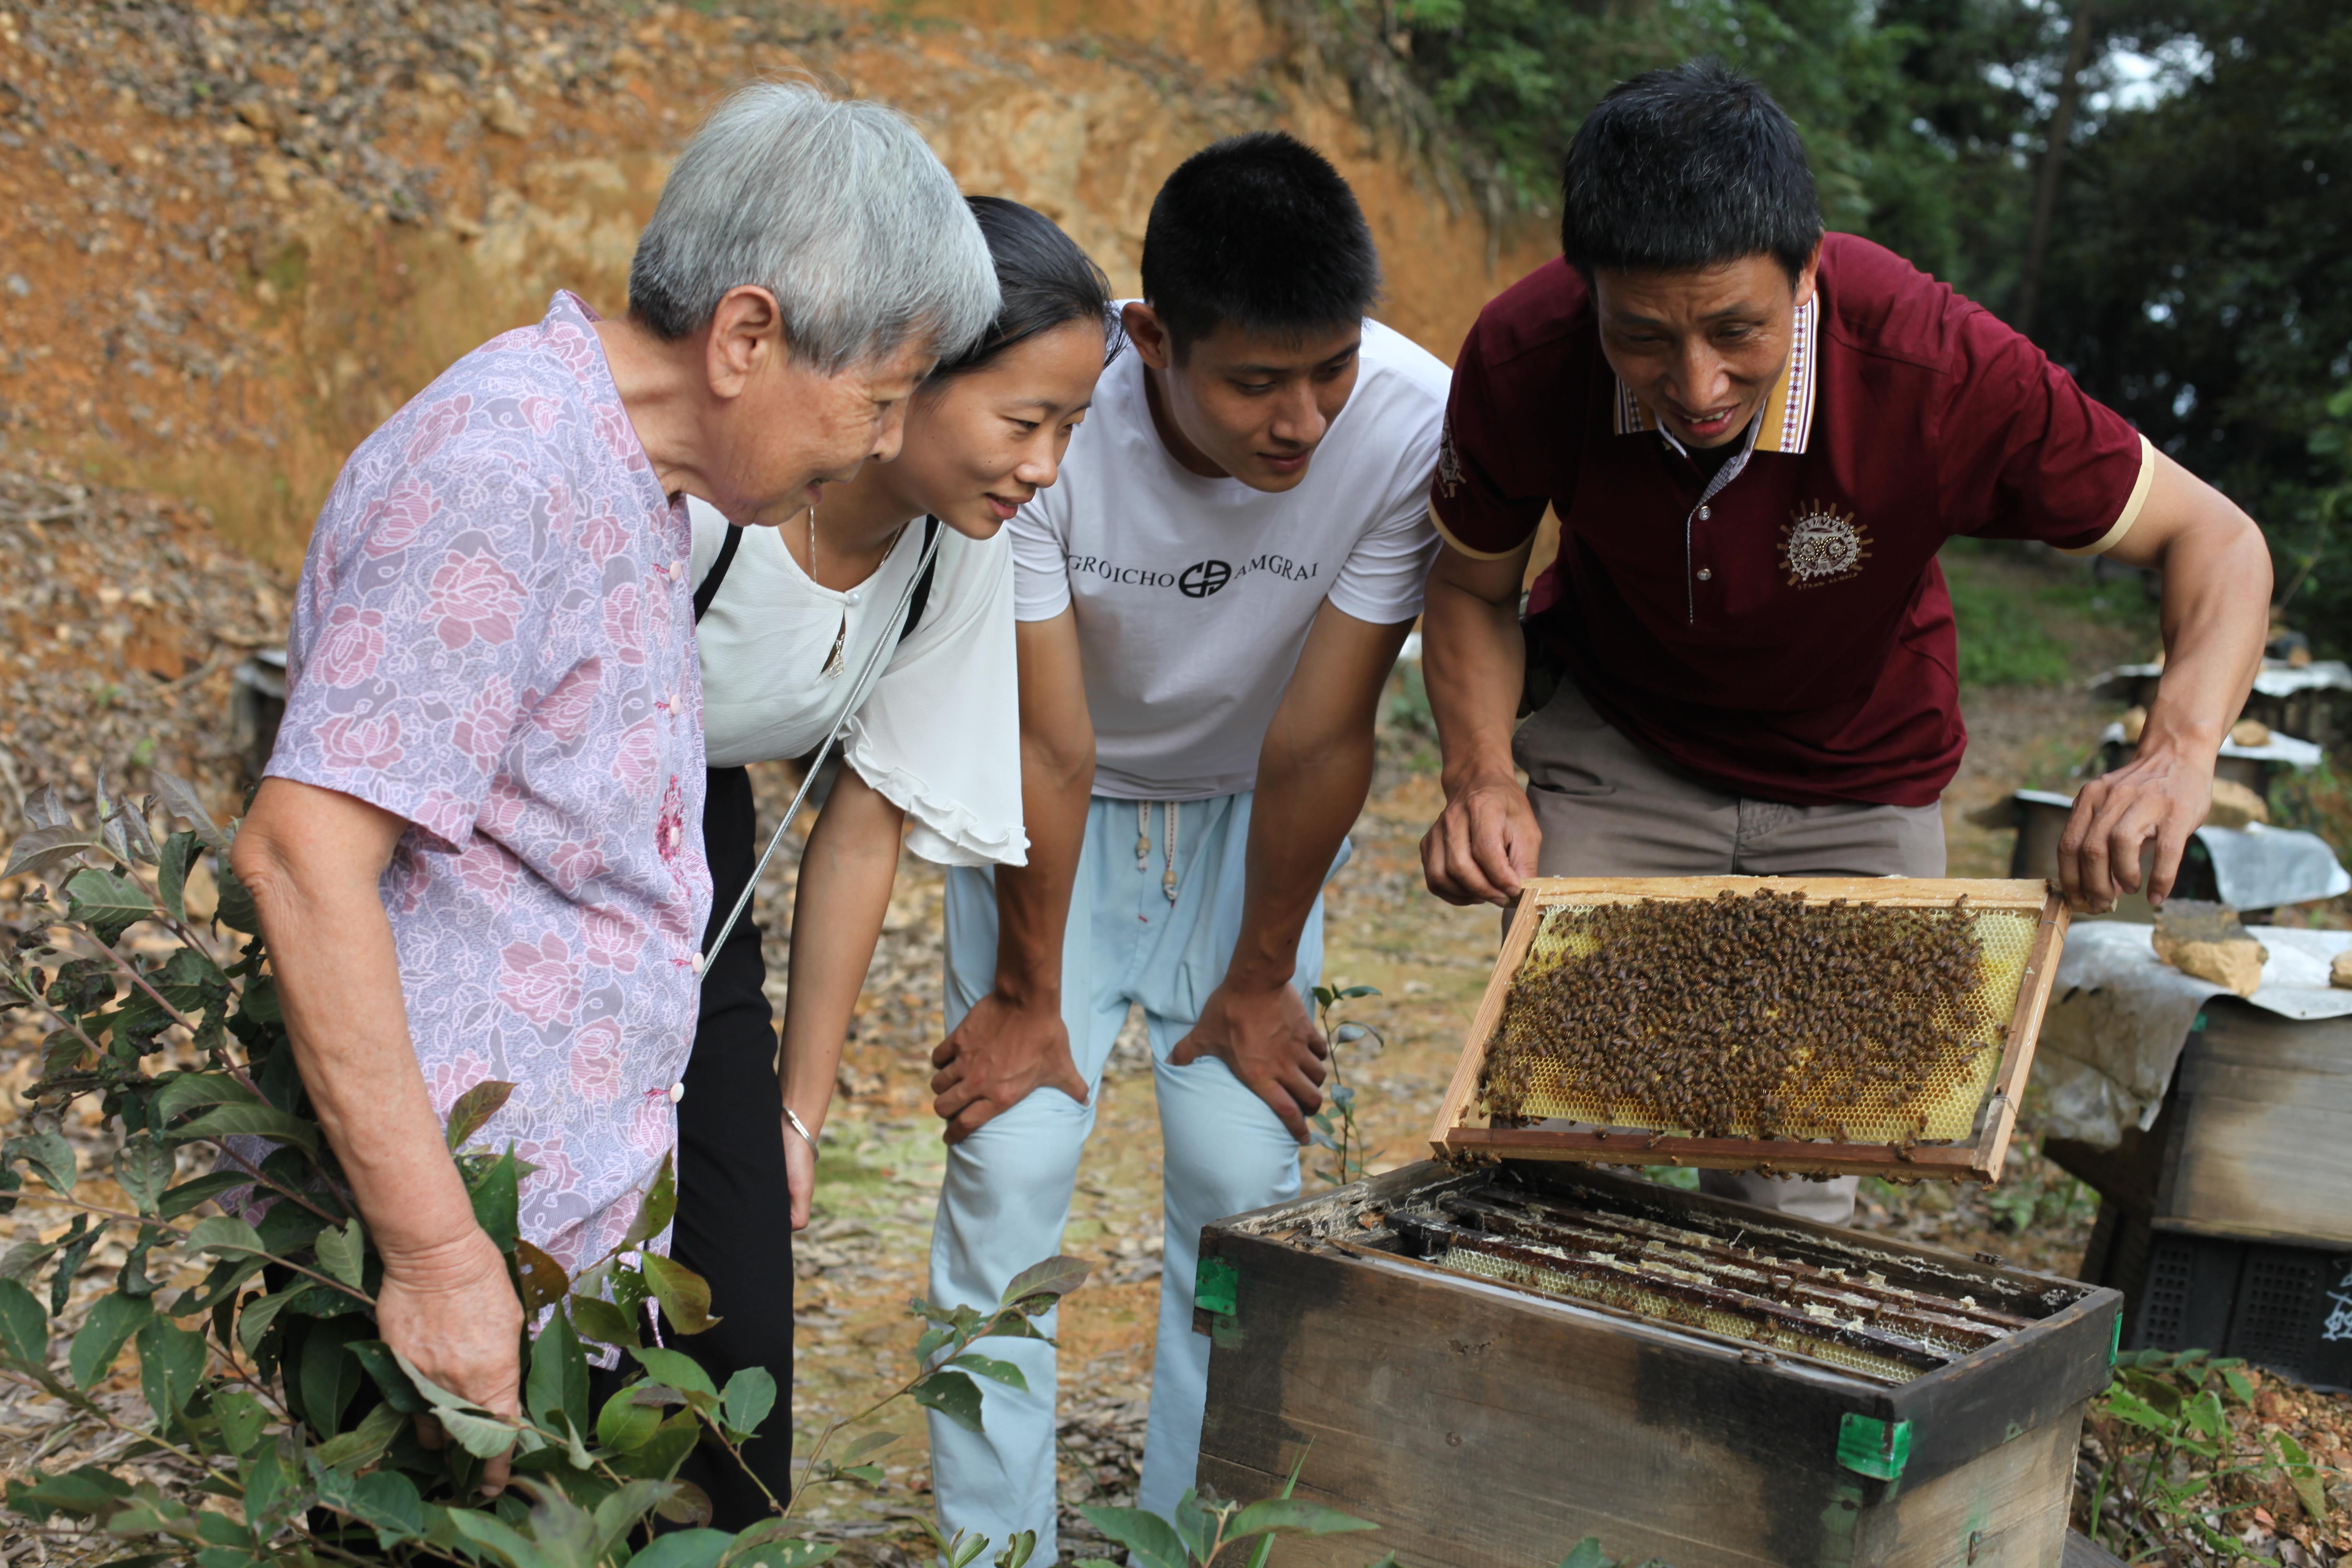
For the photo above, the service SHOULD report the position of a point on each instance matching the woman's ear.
(746, 336)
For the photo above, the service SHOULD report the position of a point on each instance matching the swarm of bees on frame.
(1757, 1016)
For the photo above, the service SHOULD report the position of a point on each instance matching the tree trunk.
(2045, 194)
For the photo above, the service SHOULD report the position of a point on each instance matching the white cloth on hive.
(2119, 1016)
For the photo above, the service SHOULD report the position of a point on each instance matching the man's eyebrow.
(1618, 315)
(1349, 352)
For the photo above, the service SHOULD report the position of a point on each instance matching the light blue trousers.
(1006, 1195)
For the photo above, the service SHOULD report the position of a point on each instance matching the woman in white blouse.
(789, 620)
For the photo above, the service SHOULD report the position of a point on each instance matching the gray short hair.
(833, 206)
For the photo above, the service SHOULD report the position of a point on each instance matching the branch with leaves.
(1334, 1127)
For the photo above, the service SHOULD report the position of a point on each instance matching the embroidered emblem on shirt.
(1449, 461)
(1822, 546)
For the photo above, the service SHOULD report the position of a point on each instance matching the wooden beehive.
(1439, 1362)
(2020, 924)
(2228, 1222)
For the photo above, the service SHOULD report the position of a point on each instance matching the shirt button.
(676, 1092)
(1707, 574)
(1705, 512)
(851, 595)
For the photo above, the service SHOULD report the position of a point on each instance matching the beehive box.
(1869, 1066)
(1497, 1362)
(2228, 1222)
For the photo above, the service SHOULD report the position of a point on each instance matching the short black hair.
(1261, 231)
(1044, 278)
(1688, 167)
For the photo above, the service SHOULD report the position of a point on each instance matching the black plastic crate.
(2284, 1307)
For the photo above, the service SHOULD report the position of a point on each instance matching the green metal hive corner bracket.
(1875, 1449)
(1216, 1288)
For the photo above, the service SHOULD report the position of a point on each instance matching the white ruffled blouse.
(936, 728)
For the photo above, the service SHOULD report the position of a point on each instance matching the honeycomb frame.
(1975, 1126)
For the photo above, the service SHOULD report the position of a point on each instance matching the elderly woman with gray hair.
(476, 854)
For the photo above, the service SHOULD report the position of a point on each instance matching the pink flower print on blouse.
(624, 624)
(405, 513)
(502, 811)
(620, 436)
(539, 413)
(540, 983)
(638, 757)
(563, 712)
(612, 939)
(669, 833)
(482, 730)
(489, 869)
(438, 423)
(473, 596)
(656, 611)
(371, 743)
(596, 1061)
(555, 1175)
(573, 866)
(604, 537)
(573, 347)
(653, 1126)
(352, 647)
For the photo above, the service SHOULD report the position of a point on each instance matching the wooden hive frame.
(1978, 1159)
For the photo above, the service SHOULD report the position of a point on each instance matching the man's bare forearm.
(338, 978)
(837, 911)
(1314, 770)
(2216, 619)
(1307, 797)
(1472, 663)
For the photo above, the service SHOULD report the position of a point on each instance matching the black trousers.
(734, 1208)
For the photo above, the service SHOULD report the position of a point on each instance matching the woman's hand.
(800, 1172)
(452, 1311)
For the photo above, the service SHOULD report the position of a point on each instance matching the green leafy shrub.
(2179, 1454)
(267, 1386)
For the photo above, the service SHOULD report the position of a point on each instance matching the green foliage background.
(2199, 271)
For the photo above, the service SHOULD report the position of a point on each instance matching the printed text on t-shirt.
(1197, 581)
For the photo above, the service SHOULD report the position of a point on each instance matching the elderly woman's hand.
(452, 1311)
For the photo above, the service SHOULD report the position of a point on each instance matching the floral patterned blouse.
(494, 640)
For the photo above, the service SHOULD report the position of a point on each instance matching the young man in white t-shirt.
(1210, 601)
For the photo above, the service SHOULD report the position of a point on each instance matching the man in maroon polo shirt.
(1756, 437)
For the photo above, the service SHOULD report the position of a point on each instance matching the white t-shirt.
(1194, 595)
(936, 730)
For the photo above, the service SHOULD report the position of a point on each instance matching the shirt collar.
(1787, 421)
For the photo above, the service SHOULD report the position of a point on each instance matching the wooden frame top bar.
(1978, 1159)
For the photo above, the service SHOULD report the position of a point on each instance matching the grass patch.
(2027, 623)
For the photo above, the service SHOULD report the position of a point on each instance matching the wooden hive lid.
(2021, 924)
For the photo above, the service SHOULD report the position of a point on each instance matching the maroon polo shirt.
(1787, 637)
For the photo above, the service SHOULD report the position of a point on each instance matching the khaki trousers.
(1608, 808)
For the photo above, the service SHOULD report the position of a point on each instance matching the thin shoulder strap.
(923, 584)
(709, 589)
